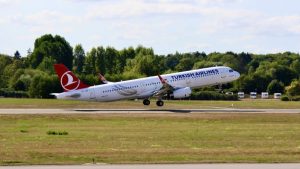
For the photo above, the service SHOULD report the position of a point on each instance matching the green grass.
(149, 138)
(172, 104)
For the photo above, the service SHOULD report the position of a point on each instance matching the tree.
(230, 59)
(252, 83)
(19, 86)
(79, 58)
(90, 65)
(123, 56)
(204, 64)
(55, 47)
(185, 64)
(171, 61)
(4, 62)
(17, 55)
(296, 66)
(275, 87)
(294, 88)
(147, 65)
(15, 77)
(111, 57)
(101, 60)
(12, 68)
(283, 74)
(144, 51)
(47, 65)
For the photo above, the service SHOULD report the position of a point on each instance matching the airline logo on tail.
(68, 80)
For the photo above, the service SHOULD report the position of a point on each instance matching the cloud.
(134, 8)
(230, 25)
(45, 18)
(214, 18)
(129, 31)
(218, 2)
(170, 24)
(2, 20)
(198, 47)
(248, 22)
(121, 9)
(6, 3)
(45, 21)
(280, 25)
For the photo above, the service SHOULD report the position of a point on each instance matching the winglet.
(102, 78)
(163, 81)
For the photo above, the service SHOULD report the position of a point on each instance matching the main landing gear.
(159, 103)
(146, 102)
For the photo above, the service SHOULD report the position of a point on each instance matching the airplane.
(179, 84)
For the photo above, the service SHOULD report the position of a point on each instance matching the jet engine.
(182, 93)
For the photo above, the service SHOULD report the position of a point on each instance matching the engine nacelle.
(182, 93)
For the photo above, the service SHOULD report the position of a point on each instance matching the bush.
(295, 98)
(6, 92)
(24, 131)
(50, 132)
(211, 95)
(42, 85)
(285, 98)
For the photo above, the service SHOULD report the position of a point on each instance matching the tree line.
(33, 75)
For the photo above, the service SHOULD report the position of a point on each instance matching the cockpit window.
(230, 70)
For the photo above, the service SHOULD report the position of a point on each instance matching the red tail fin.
(68, 80)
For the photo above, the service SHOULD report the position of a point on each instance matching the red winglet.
(163, 81)
(102, 78)
(68, 80)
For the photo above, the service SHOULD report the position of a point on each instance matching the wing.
(165, 89)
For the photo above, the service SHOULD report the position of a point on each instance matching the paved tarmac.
(164, 166)
(95, 111)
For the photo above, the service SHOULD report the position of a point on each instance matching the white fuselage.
(146, 87)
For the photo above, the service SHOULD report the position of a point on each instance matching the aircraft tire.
(146, 102)
(160, 103)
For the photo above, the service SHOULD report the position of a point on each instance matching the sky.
(168, 26)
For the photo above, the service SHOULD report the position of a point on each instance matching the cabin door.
(92, 94)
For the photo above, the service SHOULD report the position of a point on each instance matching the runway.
(164, 166)
(102, 111)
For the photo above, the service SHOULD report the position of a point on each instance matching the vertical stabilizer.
(68, 80)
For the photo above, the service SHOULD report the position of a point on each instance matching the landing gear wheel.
(146, 102)
(160, 103)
